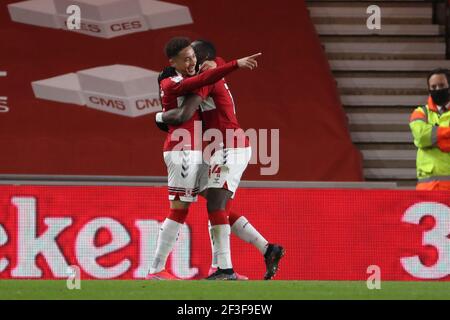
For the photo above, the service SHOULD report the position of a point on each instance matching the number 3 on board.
(437, 237)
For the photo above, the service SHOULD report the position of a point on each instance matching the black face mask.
(440, 97)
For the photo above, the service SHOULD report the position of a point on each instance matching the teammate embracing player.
(183, 159)
(228, 156)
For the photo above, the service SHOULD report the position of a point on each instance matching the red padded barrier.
(111, 232)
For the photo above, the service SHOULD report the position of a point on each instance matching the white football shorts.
(183, 168)
(224, 169)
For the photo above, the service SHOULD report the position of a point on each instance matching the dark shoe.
(220, 275)
(238, 276)
(272, 257)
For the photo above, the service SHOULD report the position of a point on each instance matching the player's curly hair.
(204, 50)
(443, 71)
(175, 45)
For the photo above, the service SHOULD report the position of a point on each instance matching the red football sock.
(218, 217)
(178, 215)
(233, 217)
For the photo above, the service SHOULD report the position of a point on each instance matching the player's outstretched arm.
(211, 76)
(180, 115)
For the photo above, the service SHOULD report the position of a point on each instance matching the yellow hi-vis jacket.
(431, 134)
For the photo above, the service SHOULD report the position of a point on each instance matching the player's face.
(185, 62)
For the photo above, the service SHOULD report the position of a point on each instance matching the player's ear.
(172, 62)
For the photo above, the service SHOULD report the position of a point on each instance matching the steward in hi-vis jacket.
(430, 126)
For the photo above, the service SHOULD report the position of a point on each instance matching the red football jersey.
(219, 112)
(174, 89)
